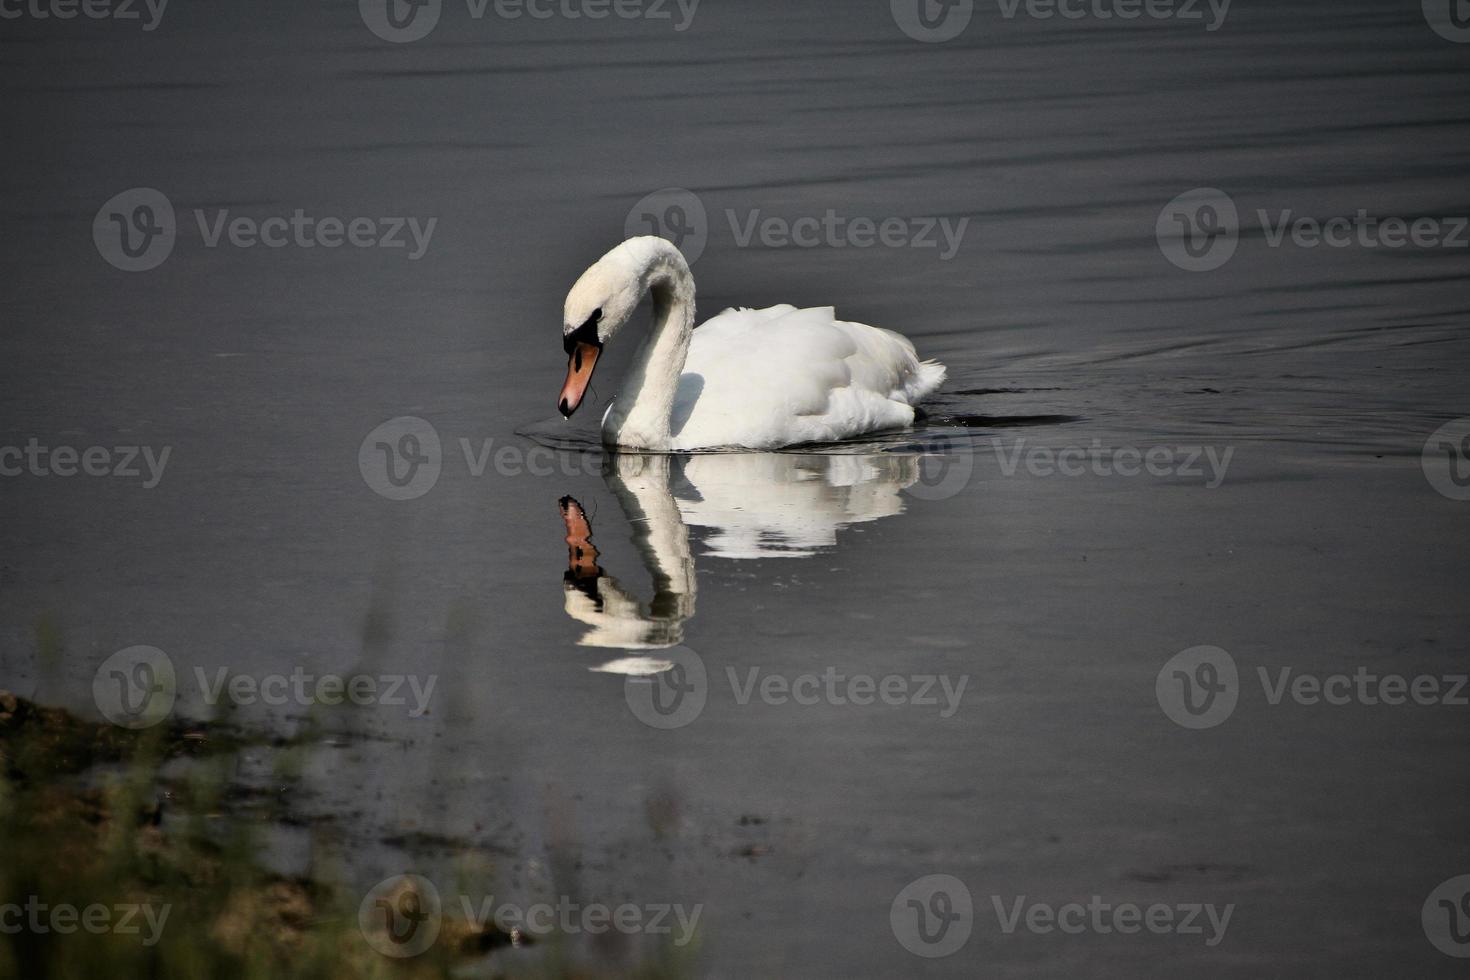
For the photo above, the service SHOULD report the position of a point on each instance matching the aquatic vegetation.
(140, 854)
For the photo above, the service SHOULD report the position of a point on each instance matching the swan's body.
(754, 379)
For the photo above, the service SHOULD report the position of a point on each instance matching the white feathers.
(780, 376)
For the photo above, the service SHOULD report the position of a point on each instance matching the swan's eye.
(585, 334)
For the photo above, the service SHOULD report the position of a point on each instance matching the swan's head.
(601, 302)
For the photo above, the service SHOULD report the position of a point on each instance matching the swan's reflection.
(754, 505)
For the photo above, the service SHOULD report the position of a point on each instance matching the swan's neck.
(640, 414)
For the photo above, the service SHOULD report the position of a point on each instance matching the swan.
(745, 379)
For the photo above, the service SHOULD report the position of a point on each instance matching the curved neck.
(640, 413)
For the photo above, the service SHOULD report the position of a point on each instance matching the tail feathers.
(926, 380)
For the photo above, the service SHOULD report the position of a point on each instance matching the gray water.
(1320, 545)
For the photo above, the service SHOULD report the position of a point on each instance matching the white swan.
(753, 379)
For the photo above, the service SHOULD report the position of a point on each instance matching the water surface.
(262, 549)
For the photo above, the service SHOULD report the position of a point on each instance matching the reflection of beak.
(579, 372)
(581, 555)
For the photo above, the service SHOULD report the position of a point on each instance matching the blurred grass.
(96, 815)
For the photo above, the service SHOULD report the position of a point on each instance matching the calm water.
(1319, 545)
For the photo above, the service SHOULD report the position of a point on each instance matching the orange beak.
(582, 360)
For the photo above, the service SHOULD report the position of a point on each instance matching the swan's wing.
(737, 320)
(781, 375)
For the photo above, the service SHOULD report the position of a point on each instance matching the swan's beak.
(582, 360)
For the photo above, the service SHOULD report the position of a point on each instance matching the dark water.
(1321, 546)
